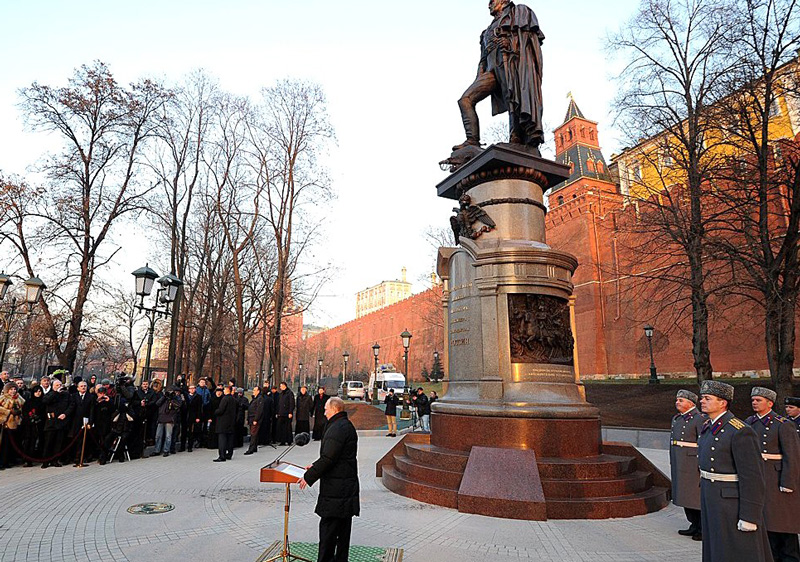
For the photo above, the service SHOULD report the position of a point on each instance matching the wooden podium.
(284, 473)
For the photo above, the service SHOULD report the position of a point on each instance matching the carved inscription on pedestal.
(540, 330)
(464, 320)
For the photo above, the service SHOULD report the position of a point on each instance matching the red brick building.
(611, 310)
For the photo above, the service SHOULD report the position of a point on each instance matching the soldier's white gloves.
(747, 527)
(786, 490)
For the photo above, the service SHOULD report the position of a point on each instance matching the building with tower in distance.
(589, 216)
(382, 295)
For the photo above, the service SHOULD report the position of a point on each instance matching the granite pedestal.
(515, 410)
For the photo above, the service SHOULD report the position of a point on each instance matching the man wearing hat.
(731, 483)
(686, 427)
(793, 411)
(780, 451)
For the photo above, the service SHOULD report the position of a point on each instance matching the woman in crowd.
(33, 425)
(303, 410)
(10, 419)
(319, 413)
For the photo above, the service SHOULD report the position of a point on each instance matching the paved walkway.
(222, 512)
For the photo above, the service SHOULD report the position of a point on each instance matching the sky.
(392, 73)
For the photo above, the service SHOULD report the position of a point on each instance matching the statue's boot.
(466, 143)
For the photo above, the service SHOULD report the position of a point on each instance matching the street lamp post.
(319, 370)
(376, 349)
(648, 332)
(145, 279)
(346, 358)
(33, 291)
(406, 338)
(302, 379)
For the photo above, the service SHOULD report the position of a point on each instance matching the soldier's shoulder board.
(737, 423)
(780, 418)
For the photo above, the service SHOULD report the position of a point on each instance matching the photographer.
(169, 408)
(103, 414)
(122, 423)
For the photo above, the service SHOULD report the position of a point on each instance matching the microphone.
(302, 439)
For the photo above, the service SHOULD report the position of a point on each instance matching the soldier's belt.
(684, 443)
(767, 457)
(713, 476)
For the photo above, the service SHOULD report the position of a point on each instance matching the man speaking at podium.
(337, 470)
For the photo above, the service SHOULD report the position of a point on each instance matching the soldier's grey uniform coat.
(778, 436)
(730, 446)
(684, 469)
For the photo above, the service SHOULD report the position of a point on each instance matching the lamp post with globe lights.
(164, 297)
(345, 358)
(33, 292)
(406, 339)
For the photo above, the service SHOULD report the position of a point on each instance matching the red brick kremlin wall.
(420, 314)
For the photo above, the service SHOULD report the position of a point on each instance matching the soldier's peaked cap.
(687, 395)
(792, 401)
(770, 395)
(718, 389)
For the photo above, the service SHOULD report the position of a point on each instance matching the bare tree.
(178, 163)
(295, 124)
(676, 56)
(67, 228)
(760, 185)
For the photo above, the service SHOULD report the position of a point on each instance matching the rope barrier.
(34, 459)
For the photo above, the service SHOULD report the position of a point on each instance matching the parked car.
(352, 390)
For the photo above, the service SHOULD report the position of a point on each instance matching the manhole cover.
(150, 508)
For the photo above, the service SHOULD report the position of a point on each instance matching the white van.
(352, 390)
(387, 380)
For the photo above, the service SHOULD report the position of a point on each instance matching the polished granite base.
(562, 473)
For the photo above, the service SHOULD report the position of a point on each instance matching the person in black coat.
(226, 425)
(83, 414)
(212, 439)
(255, 414)
(275, 397)
(391, 401)
(303, 411)
(319, 413)
(103, 416)
(33, 425)
(194, 418)
(285, 413)
(242, 405)
(58, 408)
(337, 470)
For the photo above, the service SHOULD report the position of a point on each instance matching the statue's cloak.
(518, 69)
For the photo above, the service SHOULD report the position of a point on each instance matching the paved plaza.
(223, 512)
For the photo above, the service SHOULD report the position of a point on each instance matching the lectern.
(287, 474)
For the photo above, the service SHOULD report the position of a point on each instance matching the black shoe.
(249, 452)
(697, 537)
(228, 457)
(165, 454)
(220, 459)
(57, 464)
(28, 464)
(189, 449)
(688, 532)
(45, 465)
(122, 458)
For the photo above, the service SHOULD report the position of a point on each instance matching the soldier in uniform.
(731, 483)
(686, 427)
(780, 451)
(793, 411)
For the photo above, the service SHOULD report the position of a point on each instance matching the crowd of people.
(53, 422)
(737, 480)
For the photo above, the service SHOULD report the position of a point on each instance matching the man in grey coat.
(792, 405)
(732, 491)
(686, 427)
(780, 451)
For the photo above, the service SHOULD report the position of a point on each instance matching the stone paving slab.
(222, 512)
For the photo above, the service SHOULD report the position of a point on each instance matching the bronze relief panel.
(539, 326)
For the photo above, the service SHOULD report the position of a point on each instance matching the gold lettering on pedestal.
(459, 331)
(459, 309)
(462, 287)
(457, 320)
(463, 341)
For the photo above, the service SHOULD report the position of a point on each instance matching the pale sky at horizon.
(392, 73)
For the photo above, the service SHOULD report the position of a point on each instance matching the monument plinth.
(515, 410)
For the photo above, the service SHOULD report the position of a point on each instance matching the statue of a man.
(510, 71)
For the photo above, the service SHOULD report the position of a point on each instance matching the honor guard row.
(743, 477)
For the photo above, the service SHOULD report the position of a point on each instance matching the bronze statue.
(468, 214)
(510, 71)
